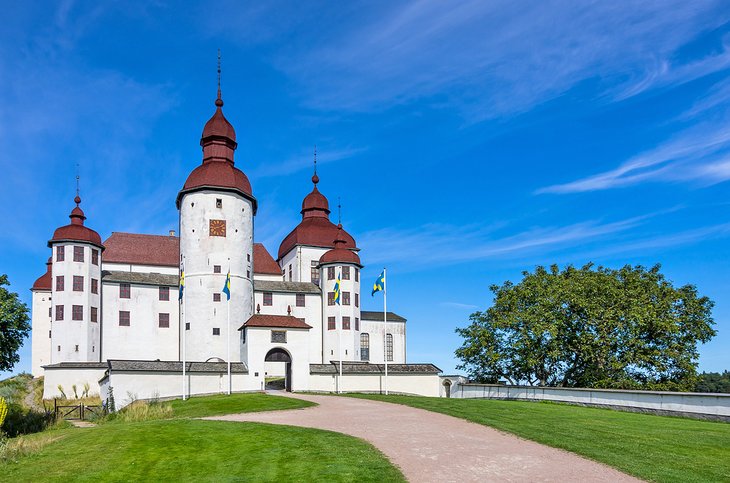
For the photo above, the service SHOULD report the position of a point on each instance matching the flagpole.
(228, 343)
(385, 325)
(339, 310)
(184, 328)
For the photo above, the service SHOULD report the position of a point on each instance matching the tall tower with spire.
(75, 291)
(216, 207)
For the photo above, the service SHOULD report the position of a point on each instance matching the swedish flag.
(182, 283)
(337, 290)
(379, 284)
(227, 287)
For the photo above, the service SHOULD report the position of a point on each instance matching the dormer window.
(218, 203)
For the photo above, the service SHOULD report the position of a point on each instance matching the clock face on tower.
(217, 228)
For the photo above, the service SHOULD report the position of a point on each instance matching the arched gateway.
(278, 354)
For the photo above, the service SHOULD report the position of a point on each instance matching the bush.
(25, 421)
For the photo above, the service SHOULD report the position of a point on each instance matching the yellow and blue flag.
(182, 283)
(337, 290)
(379, 284)
(227, 287)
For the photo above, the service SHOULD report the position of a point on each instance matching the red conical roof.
(44, 281)
(76, 231)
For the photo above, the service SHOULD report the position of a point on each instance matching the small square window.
(300, 300)
(95, 256)
(78, 283)
(77, 347)
(218, 203)
(331, 324)
(164, 321)
(345, 273)
(94, 314)
(187, 325)
(216, 269)
(59, 312)
(60, 253)
(345, 323)
(330, 298)
(78, 254)
(124, 318)
(164, 293)
(124, 290)
(345, 298)
(77, 312)
(216, 331)
(278, 336)
(268, 298)
(59, 283)
(216, 297)
(330, 273)
(94, 286)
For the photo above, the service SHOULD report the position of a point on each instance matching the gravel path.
(429, 446)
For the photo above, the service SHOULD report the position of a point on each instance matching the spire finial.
(77, 200)
(339, 212)
(315, 178)
(219, 101)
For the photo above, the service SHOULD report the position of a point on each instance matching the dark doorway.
(280, 355)
(447, 387)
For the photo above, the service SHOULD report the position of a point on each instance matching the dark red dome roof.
(218, 126)
(340, 254)
(218, 175)
(315, 204)
(76, 231)
(44, 281)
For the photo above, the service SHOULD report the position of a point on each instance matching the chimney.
(172, 232)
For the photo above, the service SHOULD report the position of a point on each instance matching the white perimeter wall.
(418, 384)
(699, 403)
(377, 340)
(67, 377)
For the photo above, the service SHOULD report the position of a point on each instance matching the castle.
(126, 312)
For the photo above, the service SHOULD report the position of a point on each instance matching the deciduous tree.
(14, 325)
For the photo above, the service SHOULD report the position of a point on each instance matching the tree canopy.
(589, 327)
(713, 382)
(14, 325)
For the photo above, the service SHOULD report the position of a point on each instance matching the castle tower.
(345, 317)
(75, 291)
(216, 235)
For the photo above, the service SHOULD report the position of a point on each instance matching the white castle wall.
(258, 344)
(200, 253)
(68, 377)
(128, 267)
(350, 341)
(376, 329)
(418, 384)
(143, 339)
(69, 333)
(40, 339)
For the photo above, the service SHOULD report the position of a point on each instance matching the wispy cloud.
(304, 160)
(459, 306)
(698, 154)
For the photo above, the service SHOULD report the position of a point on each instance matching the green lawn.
(197, 407)
(183, 449)
(651, 447)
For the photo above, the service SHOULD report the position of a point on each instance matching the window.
(345, 323)
(124, 290)
(216, 269)
(364, 346)
(77, 347)
(248, 273)
(50, 313)
(345, 273)
(59, 283)
(94, 286)
(49, 334)
(330, 298)
(389, 347)
(94, 314)
(330, 273)
(268, 298)
(59, 312)
(248, 257)
(77, 312)
(164, 293)
(314, 272)
(357, 299)
(218, 203)
(95, 256)
(59, 348)
(300, 300)
(278, 336)
(124, 318)
(164, 321)
(331, 323)
(345, 298)
(187, 325)
(60, 253)
(78, 254)
(357, 323)
(78, 283)
(290, 273)
(216, 331)
(216, 297)
(357, 274)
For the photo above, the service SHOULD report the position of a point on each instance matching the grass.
(193, 450)
(651, 447)
(184, 449)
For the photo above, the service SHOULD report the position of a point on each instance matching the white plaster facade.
(41, 334)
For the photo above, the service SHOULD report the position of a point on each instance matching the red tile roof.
(138, 249)
(44, 281)
(278, 321)
(76, 231)
(340, 254)
(263, 262)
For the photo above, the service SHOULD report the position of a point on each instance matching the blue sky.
(468, 141)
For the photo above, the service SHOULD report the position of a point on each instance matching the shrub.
(25, 421)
